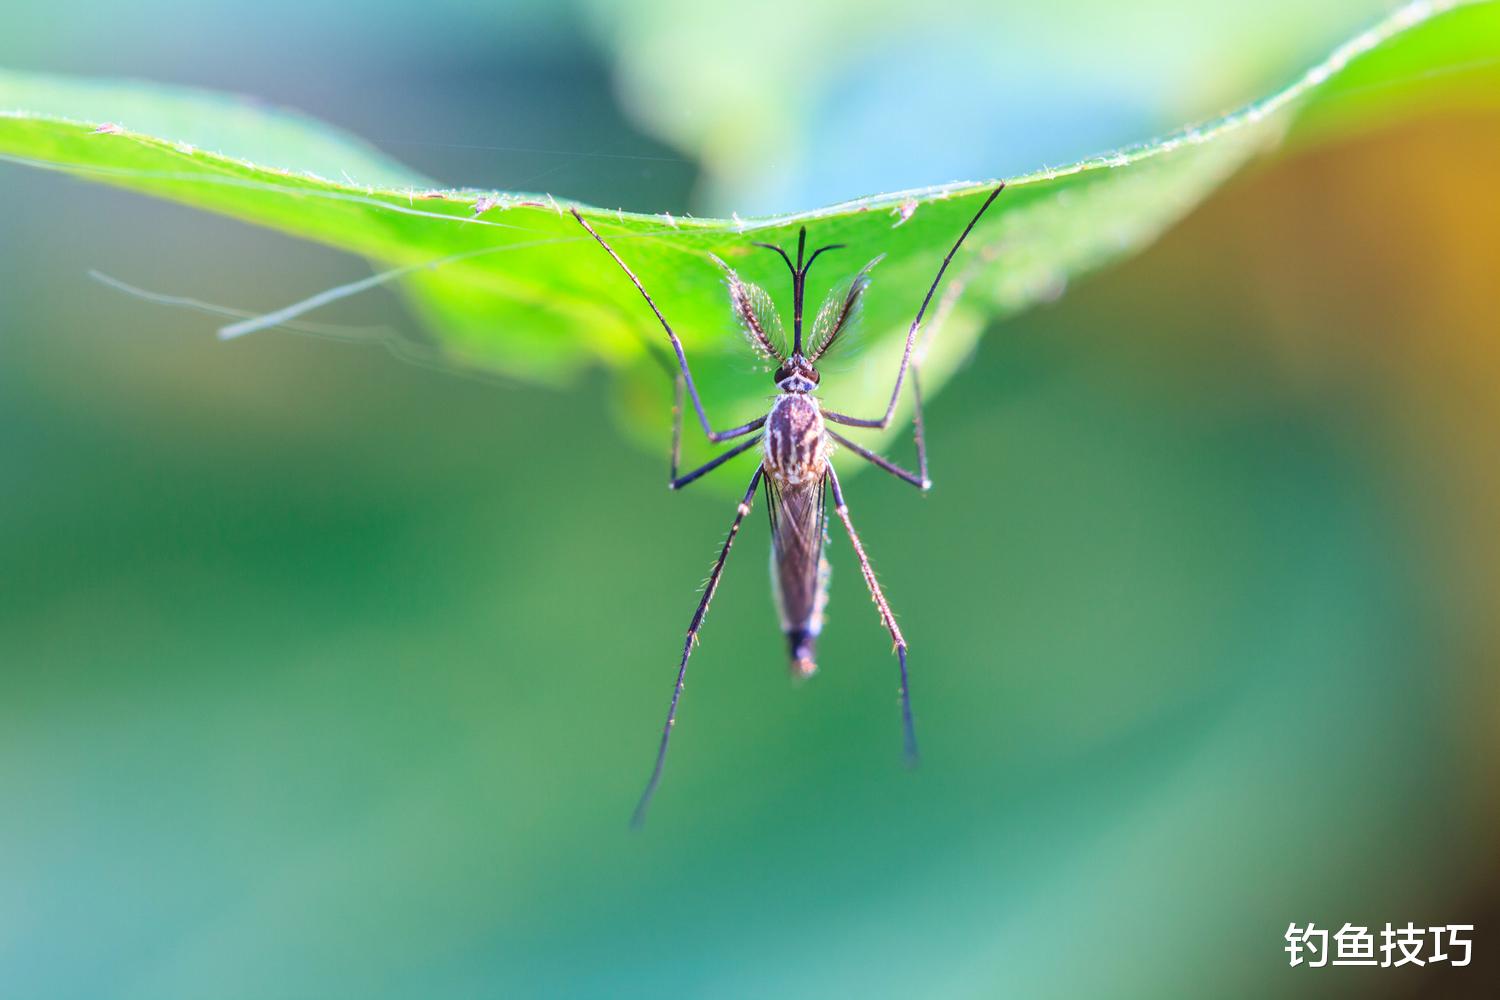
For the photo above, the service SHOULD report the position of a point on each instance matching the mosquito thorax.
(796, 447)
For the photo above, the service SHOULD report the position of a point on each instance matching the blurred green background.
(326, 675)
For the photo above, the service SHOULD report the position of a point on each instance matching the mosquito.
(795, 442)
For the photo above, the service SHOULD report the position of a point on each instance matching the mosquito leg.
(920, 479)
(676, 426)
(944, 309)
(687, 649)
(918, 429)
(923, 479)
(920, 482)
(908, 726)
(680, 481)
(682, 362)
(882, 422)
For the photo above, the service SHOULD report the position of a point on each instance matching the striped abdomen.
(796, 456)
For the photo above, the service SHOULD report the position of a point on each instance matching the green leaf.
(516, 287)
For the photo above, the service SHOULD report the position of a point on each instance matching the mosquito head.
(799, 279)
(797, 374)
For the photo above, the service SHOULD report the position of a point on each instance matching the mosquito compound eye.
(783, 373)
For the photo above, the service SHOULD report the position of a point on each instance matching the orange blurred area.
(1371, 271)
(1363, 279)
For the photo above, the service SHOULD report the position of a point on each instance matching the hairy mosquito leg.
(703, 470)
(842, 509)
(687, 649)
(682, 361)
(877, 460)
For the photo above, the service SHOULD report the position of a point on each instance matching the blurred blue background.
(325, 675)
